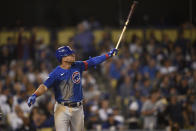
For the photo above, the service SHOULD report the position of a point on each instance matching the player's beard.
(70, 61)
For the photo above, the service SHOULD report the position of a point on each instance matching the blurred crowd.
(151, 84)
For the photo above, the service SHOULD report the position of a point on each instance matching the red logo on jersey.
(76, 77)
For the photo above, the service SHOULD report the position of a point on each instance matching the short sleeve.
(50, 80)
(83, 65)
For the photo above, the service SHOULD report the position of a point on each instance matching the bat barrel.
(127, 22)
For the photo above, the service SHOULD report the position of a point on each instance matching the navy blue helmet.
(63, 51)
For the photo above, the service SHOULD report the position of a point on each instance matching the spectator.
(133, 119)
(104, 111)
(145, 88)
(84, 39)
(174, 111)
(118, 117)
(17, 120)
(23, 48)
(125, 88)
(93, 122)
(149, 111)
(5, 55)
(150, 70)
(189, 116)
(11, 47)
(111, 123)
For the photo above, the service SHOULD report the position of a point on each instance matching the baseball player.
(65, 80)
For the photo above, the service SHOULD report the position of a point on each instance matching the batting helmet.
(63, 51)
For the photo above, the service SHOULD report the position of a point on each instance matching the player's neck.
(66, 66)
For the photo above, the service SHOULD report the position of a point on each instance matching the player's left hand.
(113, 52)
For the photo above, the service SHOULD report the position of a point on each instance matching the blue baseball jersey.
(66, 83)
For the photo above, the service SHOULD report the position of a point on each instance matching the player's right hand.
(113, 52)
(31, 100)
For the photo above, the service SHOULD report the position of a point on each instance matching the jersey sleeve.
(80, 64)
(50, 80)
(84, 65)
(95, 61)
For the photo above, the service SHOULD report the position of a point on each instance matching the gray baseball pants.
(68, 118)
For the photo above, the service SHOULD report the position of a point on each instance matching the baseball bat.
(126, 23)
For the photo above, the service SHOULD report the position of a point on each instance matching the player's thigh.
(77, 120)
(61, 118)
